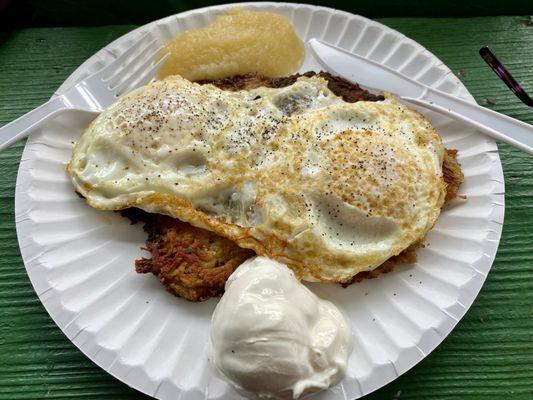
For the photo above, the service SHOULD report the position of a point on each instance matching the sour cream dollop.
(273, 337)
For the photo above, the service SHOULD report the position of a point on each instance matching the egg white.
(296, 174)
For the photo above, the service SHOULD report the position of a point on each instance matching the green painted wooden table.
(488, 356)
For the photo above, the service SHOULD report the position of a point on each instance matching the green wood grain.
(24, 13)
(488, 356)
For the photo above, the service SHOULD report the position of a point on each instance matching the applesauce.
(237, 42)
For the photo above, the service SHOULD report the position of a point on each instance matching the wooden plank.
(31, 13)
(488, 356)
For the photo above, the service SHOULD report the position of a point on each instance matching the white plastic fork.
(133, 68)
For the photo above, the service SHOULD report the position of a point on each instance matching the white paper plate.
(80, 261)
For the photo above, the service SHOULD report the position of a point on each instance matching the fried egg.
(298, 175)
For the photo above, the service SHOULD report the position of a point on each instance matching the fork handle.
(22, 126)
(499, 126)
